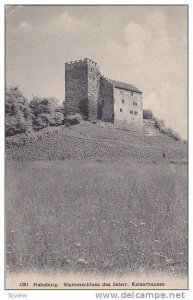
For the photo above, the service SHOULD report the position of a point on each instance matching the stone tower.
(82, 87)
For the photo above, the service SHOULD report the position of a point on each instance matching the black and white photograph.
(96, 147)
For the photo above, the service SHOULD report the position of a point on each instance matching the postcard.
(96, 147)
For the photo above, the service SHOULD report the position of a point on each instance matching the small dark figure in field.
(164, 155)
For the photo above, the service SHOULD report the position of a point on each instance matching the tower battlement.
(106, 79)
(82, 60)
(86, 62)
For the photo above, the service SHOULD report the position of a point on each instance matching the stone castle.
(97, 98)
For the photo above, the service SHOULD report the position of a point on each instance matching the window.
(123, 101)
(136, 113)
(121, 109)
(131, 112)
(134, 103)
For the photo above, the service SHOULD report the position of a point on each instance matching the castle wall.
(128, 109)
(76, 87)
(106, 104)
(93, 89)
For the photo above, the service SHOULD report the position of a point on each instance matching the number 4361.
(23, 284)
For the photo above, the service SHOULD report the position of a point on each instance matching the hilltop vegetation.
(24, 116)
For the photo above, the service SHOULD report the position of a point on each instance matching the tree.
(45, 112)
(17, 112)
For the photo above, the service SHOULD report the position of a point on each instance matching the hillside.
(88, 140)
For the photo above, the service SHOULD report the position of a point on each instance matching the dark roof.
(125, 86)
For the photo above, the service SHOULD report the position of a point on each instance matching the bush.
(16, 141)
(73, 120)
(45, 112)
(56, 119)
(17, 112)
(147, 114)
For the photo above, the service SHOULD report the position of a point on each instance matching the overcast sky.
(142, 45)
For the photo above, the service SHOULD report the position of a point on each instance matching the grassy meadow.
(100, 216)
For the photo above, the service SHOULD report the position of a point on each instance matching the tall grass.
(96, 216)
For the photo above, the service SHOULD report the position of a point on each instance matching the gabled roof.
(125, 86)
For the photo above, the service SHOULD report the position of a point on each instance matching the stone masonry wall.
(76, 87)
(82, 88)
(93, 89)
(106, 104)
